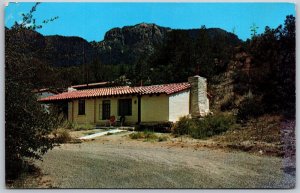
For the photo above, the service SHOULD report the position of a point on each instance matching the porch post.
(72, 111)
(139, 108)
(95, 107)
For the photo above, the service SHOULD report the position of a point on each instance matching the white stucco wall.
(179, 104)
(70, 112)
(154, 108)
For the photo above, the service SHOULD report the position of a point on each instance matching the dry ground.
(116, 161)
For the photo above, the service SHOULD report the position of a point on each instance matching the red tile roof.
(115, 91)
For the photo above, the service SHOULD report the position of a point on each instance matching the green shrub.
(161, 127)
(79, 127)
(205, 127)
(162, 138)
(27, 124)
(62, 136)
(250, 108)
(212, 125)
(66, 125)
(136, 135)
(148, 136)
(241, 79)
(183, 126)
(228, 105)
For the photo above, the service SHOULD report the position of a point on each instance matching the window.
(81, 107)
(125, 107)
(105, 109)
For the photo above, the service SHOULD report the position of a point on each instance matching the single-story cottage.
(141, 104)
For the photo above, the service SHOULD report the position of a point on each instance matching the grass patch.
(137, 135)
(148, 136)
(80, 127)
(162, 138)
(76, 127)
(263, 129)
(61, 135)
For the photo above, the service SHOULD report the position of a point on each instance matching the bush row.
(77, 127)
(250, 108)
(205, 127)
(148, 136)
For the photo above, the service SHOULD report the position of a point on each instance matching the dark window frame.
(125, 107)
(81, 107)
(106, 111)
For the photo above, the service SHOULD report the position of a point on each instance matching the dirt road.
(118, 162)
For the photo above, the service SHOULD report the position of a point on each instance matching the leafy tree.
(272, 76)
(27, 124)
(96, 71)
(186, 53)
(203, 54)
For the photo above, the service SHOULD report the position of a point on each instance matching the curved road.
(125, 163)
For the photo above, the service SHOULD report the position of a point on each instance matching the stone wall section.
(199, 106)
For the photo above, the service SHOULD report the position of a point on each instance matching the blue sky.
(91, 20)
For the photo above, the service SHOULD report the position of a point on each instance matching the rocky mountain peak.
(126, 44)
(143, 32)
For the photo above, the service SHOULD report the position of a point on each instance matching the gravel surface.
(289, 147)
(118, 162)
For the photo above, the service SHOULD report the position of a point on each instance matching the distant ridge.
(120, 45)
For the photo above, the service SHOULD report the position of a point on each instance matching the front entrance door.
(105, 109)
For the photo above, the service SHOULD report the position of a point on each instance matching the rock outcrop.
(127, 44)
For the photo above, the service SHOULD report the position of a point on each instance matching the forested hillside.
(150, 54)
(125, 51)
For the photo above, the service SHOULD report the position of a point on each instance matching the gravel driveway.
(118, 162)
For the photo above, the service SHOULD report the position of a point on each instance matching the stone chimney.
(199, 103)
